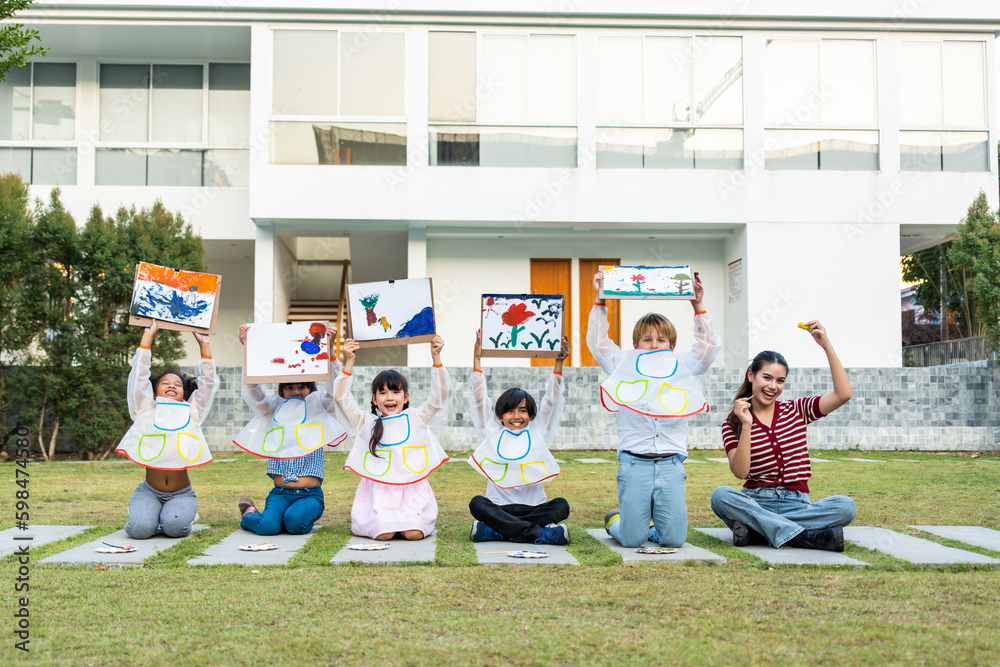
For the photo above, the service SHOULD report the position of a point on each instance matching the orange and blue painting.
(182, 297)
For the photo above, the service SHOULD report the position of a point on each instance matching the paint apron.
(173, 442)
(407, 453)
(655, 384)
(510, 459)
(298, 427)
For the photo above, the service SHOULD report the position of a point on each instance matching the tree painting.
(681, 284)
(368, 302)
(637, 280)
(515, 317)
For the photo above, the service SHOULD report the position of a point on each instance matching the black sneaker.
(828, 539)
(744, 535)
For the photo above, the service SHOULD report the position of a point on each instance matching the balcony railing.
(962, 350)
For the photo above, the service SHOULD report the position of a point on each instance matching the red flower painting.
(637, 280)
(517, 314)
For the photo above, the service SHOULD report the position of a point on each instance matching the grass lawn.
(457, 612)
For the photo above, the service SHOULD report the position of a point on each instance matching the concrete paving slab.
(593, 461)
(629, 554)
(691, 460)
(560, 461)
(35, 536)
(908, 460)
(813, 459)
(399, 551)
(912, 549)
(786, 556)
(718, 459)
(228, 550)
(866, 460)
(86, 554)
(556, 555)
(987, 538)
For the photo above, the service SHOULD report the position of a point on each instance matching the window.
(174, 125)
(819, 105)
(338, 98)
(38, 108)
(943, 106)
(670, 102)
(502, 100)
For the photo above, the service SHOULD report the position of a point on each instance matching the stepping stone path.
(987, 538)
(486, 554)
(35, 536)
(786, 556)
(912, 549)
(228, 550)
(86, 554)
(593, 461)
(813, 459)
(866, 460)
(399, 551)
(718, 459)
(630, 555)
(691, 460)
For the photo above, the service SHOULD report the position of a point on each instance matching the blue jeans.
(651, 489)
(779, 514)
(151, 511)
(295, 510)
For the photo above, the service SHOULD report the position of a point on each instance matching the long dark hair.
(746, 389)
(393, 381)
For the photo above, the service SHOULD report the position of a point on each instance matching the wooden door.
(588, 267)
(553, 276)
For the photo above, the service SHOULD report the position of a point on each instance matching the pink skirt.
(391, 508)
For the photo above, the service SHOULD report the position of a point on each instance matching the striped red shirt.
(779, 455)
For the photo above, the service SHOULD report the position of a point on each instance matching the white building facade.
(788, 151)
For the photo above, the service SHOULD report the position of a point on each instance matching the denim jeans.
(151, 511)
(651, 489)
(519, 523)
(295, 510)
(779, 514)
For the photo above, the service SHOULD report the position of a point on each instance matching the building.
(788, 151)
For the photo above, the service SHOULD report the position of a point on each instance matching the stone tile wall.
(941, 408)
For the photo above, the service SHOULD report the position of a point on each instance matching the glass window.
(124, 102)
(16, 160)
(718, 149)
(666, 82)
(338, 143)
(229, 104)
(452, 77)
(619, 81)
(371, 70)
(120, 166)
(791, 83)
(718, 81)
(551, 79)
(15, 104)
(942, 83)
(226, 169)
(943, 151)
(178, 103)
(53, 166)
(173, 167)
(305, 72)
(505, 66)
(844, 150)
(847, 82)
(54, 104)
(964, 94)
(920, 84)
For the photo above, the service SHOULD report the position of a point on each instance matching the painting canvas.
(181, 300)
(287, 352)
(391, 312)
(648, 282)
(522, 325)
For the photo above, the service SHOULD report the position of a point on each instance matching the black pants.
(519, 523)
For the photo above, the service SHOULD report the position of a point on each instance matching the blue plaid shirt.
(291, 469)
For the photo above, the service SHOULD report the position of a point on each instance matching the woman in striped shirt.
(765, 441)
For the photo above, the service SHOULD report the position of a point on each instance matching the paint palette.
(264, 546)
(528, 554)
(656, 550)
(111, 549)
(376, 546)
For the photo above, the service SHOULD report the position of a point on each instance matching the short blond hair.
(657, 323)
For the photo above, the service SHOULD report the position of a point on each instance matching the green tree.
(15, 40)
(16, 334)
(976, 254)
(940, 281)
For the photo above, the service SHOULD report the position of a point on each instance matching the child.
(515, 507)
(765, 441)
(394, 450)
(290, 428)
(651, 450)
(167, 411)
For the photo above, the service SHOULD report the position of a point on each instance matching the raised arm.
(841, 383)
(208, 381)
(336, 370)
(707, 343)
(554, 402)
(433, 410)
(602, 348)
(139, 391)
(479, 400)
(349, 414)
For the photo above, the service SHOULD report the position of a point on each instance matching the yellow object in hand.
(803, 325)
